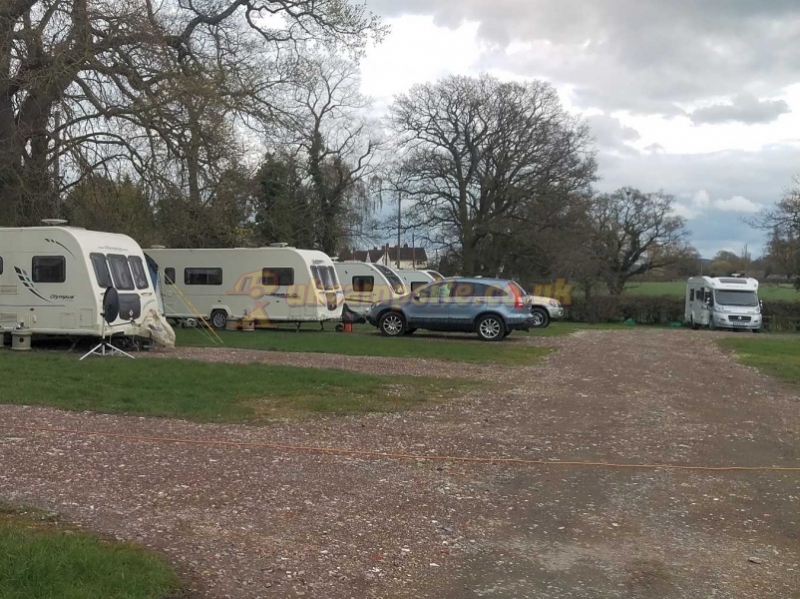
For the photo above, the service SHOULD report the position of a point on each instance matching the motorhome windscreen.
(393, 279)
(139, 274)
(121, 272)
(332, 274)
(736, 298)
(101, 271)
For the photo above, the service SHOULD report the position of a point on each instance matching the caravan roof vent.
(158, 247)
(54, 222)
(279, 245)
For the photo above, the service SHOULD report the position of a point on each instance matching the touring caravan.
(414, 279)
(729, 303)
(266, 285)
(436, 276)
(53, 279)
(366, 283)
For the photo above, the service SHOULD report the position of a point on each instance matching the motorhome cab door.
(701, 312)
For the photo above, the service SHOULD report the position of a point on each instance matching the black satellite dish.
(111, 305)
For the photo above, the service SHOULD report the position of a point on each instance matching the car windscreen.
(390, 275)
(747, 299)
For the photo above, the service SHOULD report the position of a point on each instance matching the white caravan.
(52, 281)
(414, 279)
(366, 283)
(726, 302)
(266, 285)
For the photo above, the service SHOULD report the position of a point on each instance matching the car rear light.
(518, 301)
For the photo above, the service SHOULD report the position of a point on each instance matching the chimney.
(405, 245)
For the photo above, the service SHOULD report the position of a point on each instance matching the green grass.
(778, 356)
(366, 341)
(42, 559)
(206, 392)
(678, 289)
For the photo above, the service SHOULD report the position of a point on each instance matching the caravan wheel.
(219, 319)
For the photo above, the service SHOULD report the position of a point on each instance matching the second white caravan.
(414, 279)
(366, 283)
(267, 285)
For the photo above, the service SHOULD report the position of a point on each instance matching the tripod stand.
(104, 348)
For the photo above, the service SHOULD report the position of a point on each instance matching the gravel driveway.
(247, 522)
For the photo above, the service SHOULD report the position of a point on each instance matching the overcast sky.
(699, 98)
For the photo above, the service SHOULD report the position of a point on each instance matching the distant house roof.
(407, 254)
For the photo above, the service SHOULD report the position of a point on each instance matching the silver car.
(492, 308)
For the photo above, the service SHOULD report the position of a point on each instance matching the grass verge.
(42, 559)
(208, 392)
(366, 341)
(778, 356)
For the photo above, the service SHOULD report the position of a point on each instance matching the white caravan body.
(366, 283)
(53, 279)
(270, 284)
(414, 279)
(725, 302)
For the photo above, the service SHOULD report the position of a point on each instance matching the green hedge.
(653, 310)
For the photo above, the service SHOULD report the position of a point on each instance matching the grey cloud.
(745, 108)
(610, 133)
(761, 177)
(647, 56)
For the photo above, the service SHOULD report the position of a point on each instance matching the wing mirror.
(416, 297)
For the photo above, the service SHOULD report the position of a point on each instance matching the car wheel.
(506, 334)
(695, 326)
(491, 328)
(219, 319)
(712, 324)
(541, 319)
(392, 324)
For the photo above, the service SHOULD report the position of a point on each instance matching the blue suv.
(492, 308)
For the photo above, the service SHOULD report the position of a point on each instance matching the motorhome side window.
(121, 272)
(363, 284)
(139, 274)
(1, 265)
(169, 276)
(49, 269)
(202, 276)
(277, 277)
(101, 270)
(691, 295)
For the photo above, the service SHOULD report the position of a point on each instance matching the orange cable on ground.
(393, 456)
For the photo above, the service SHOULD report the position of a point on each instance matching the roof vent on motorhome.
(279, 245)
(54, 222)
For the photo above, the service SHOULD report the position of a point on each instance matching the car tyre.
(541, 319)
(392, 324)
(219, 319)
(491, 328)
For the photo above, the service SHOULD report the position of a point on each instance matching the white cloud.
(737, 204)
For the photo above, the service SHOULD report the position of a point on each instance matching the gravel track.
(251, 522)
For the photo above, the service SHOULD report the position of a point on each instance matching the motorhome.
(727, 302)
(53, 279)
(266, 285)
(414, 279)
(366, 283)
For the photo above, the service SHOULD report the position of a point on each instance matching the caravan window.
(1, 265)
(277, 277)
(332, 275)
(49, 269)
(121, 272)
(202, 276)
(101, 271)
(169, 276)
(363, 284)
(417, 284)
(139, 274)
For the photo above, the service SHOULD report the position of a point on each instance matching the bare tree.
(95, 83)
(634, 232)
(478, 154)
(325, 119)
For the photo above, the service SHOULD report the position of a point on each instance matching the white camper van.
(366, 283)
(414, 279)
(52, 281)
(727, 302)
(270, 284)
